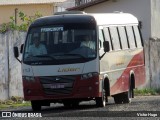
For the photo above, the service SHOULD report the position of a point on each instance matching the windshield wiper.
(45, 56)
(71, 54)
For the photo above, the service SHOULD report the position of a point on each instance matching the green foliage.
(147, 91)
(25, 22)
(13, 102)
(4, 27)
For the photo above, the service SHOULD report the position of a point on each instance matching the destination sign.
(53, 29)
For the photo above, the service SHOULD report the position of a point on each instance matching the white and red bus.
(109, 63)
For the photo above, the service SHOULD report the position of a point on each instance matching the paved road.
(141, 106)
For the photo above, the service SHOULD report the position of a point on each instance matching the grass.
(15, 105)
(13, 102)
(147, 92)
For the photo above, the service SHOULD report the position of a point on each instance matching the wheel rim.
(130, 94)
(104, 97)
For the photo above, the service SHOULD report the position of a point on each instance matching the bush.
(146, 91)
(26, 22)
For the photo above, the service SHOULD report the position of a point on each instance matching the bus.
(82, 57)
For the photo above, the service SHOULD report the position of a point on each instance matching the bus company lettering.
(68, 69)
(52, 29)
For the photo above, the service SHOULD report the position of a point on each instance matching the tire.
(36, 106)
(123, 97)
(75, 104)
(101, 101)
(67, 104)
(128, 95)
(118, 99)
(126, 98)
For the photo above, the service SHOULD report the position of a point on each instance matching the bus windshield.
(60, 44)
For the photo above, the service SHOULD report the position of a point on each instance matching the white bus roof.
(114, 18)
(105, 19)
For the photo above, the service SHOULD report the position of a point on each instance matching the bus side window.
(101, 38)
(131, 39)
(115, 38)
(107, 37)
(123, 37)
(137, 36)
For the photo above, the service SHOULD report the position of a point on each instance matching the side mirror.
(21, 48)
(16, 53)
(106, 46)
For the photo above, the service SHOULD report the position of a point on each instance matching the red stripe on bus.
(136, 65)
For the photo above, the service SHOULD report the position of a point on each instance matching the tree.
(25, 22)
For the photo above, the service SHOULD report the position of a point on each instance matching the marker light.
(88, 75)
(29, 78)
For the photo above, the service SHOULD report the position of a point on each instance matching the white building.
(64, 5)
(147, 11)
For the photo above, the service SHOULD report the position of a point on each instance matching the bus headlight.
(28, 78)
(88, 75)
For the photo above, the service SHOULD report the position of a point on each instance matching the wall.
(7, 11)
(10, 68)
(3, 67)
(154, 63)
(155, 18)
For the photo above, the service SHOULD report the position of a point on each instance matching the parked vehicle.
(89, 57)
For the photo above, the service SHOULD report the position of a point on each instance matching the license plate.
(57, 86)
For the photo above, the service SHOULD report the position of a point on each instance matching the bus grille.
(57, 85)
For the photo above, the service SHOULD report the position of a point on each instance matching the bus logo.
(68, 69)
(6, 114)
(57, 78)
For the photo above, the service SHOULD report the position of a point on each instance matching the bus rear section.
(123, 67)
(72, 58)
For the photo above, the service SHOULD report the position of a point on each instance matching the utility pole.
(16, 11)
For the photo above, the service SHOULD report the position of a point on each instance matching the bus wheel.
(101, 101)
(128, 96)
(118, 99)
(36, 106)
(67, 104)
(75, 104)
